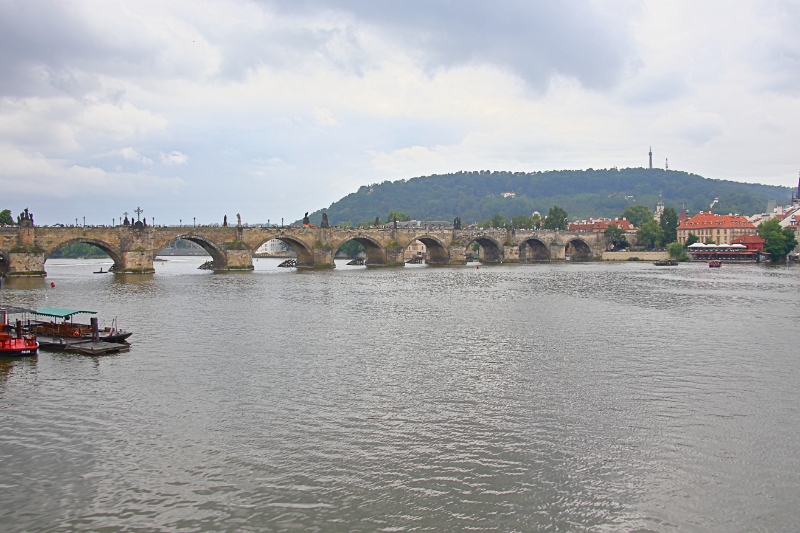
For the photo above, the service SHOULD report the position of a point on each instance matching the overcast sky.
(270, 109)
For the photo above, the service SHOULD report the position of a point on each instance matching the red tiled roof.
(710, 220)
(748, 239)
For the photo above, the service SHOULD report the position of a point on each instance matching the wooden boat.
(665, 262)
(73, 330)
(15, 343)
(715, 263)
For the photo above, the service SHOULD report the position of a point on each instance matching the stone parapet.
(133, 249)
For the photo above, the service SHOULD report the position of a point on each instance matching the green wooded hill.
(476, 196)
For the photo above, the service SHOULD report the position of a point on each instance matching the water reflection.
(542, 397)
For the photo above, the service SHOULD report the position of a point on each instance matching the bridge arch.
(438, 254)
(112, 251)
(492, 250)
(578, 250)
(218, 258)
(305, 255)
(376, 253)
(533, 249)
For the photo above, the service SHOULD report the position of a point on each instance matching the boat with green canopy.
(67, 328)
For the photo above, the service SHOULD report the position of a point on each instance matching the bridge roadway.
(24, 249)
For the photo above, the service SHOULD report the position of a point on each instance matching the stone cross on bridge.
(24, 250)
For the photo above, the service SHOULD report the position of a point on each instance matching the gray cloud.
(42, 43)
(533, 39)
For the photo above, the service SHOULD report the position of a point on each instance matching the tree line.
(478, 196)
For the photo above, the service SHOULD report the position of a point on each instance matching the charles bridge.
(25, 248)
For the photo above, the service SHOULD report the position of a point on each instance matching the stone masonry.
(23, 250)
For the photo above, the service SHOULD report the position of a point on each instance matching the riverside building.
(721, 229)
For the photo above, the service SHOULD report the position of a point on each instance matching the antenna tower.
(666, 165)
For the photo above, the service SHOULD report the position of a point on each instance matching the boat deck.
(83, 346)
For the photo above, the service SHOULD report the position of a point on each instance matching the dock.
(80, 345)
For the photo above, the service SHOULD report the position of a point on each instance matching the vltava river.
(570, 397)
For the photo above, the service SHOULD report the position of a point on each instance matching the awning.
(61, 313)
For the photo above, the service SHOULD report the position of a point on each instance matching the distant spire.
(666, 165)
(651, 157)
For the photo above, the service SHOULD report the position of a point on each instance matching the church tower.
(659, 208)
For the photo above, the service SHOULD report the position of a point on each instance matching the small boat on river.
(716, 263)
(75, 330)
(666, 262)
(14, 342)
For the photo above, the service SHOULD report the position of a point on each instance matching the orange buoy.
(477, 267)
(52, 285)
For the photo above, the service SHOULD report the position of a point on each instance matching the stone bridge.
(24, 249)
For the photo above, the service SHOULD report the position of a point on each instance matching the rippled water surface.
(571, 397)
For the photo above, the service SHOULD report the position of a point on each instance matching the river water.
(554, 397)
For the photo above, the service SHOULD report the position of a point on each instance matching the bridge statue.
(238, 220)
(324, 223)
(306, 221)
(133, 247)
(225, 221)
(25, 219)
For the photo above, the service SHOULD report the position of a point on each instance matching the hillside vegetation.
(476, 196)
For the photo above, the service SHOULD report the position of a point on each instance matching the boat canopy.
(61, 313)
(697, 245)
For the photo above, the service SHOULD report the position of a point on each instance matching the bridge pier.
(510, 254)
(25, 258)
(25, 261)
(458, 255)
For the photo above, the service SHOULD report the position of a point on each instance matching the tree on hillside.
(637, 214)
(778, 242)
(536, 221)
(5, 217)
(497, 221)
(616, 236)
(691, 239)
(476, 196)
(650, 234)
(669, 223)
(399, 215)
(521, 221)
(556, 218)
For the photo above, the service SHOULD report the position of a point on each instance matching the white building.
(273, 247)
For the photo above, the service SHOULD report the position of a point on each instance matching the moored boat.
(665, 262)
(716, 263)
(14, 342)
(75, 330)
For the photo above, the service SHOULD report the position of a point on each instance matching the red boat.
(16, 343)
(716, 263)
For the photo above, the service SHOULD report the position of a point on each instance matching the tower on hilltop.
(796, 196)
(651, 157)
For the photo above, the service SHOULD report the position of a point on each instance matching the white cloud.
(174, 158)
(60, 123)
(129, 154)
(35, 174)
(324, 117)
